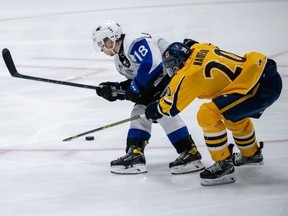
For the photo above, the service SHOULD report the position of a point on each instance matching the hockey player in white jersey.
(139, 60)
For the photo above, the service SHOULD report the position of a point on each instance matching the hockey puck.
(89, 138)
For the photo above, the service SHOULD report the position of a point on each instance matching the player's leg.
(189, 159)
(215, 135)
(244, 136)
(237, 109)
(134, 162)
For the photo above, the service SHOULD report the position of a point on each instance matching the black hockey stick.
(13, 71)
(104, 127)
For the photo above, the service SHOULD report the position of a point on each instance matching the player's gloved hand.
(133, 92)
(107, 90)
(151, 111)
(189, 42)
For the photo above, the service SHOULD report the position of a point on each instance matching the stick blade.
(70, 138)
(9, 62)
(67, 139)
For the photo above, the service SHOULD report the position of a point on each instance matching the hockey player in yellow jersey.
(240, 88)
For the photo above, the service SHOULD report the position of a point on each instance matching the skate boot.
(257, 158)
(131, 163)
(187, 162)
(221, 172)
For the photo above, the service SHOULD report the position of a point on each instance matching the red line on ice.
(3, 150)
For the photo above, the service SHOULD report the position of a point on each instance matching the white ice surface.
(42, 176)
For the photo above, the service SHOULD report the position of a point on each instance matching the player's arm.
(181, 92)
(113, 91)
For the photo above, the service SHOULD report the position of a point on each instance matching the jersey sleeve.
(180, 93)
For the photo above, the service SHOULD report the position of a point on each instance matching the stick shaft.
(104, 127)
(13, 71)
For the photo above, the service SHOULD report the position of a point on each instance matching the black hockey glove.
(133, 92)
(108, 90)
(151, 111)
(189, 42)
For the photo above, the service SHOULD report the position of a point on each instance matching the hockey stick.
(13, 71)
(104, 127)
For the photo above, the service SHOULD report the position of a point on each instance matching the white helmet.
(108, 29)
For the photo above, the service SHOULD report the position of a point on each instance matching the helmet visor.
(170, 63)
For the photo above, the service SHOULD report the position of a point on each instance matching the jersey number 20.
(231, 74)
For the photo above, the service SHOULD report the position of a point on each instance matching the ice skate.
(257, 158)
(187, 162)
(221, 172)
(131, 163)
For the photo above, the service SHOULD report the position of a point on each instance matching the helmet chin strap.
(112, 48)
(114, 53)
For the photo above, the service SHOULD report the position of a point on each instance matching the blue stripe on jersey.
(138, 134)
(143, 55)
(175, 136)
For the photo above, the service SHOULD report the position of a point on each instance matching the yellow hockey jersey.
(210, 72)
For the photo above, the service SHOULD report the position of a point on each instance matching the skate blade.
(122, 170)
(230, 178)
(194, 166)
(255, 164)
(250, 164)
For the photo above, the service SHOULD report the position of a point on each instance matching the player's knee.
(241, 127)
(208, 115)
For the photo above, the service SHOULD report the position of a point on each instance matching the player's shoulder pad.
(129, 43)
(130, 40)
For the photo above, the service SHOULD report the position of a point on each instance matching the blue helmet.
(175, 56)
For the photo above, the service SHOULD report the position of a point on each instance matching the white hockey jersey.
(140, 58)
